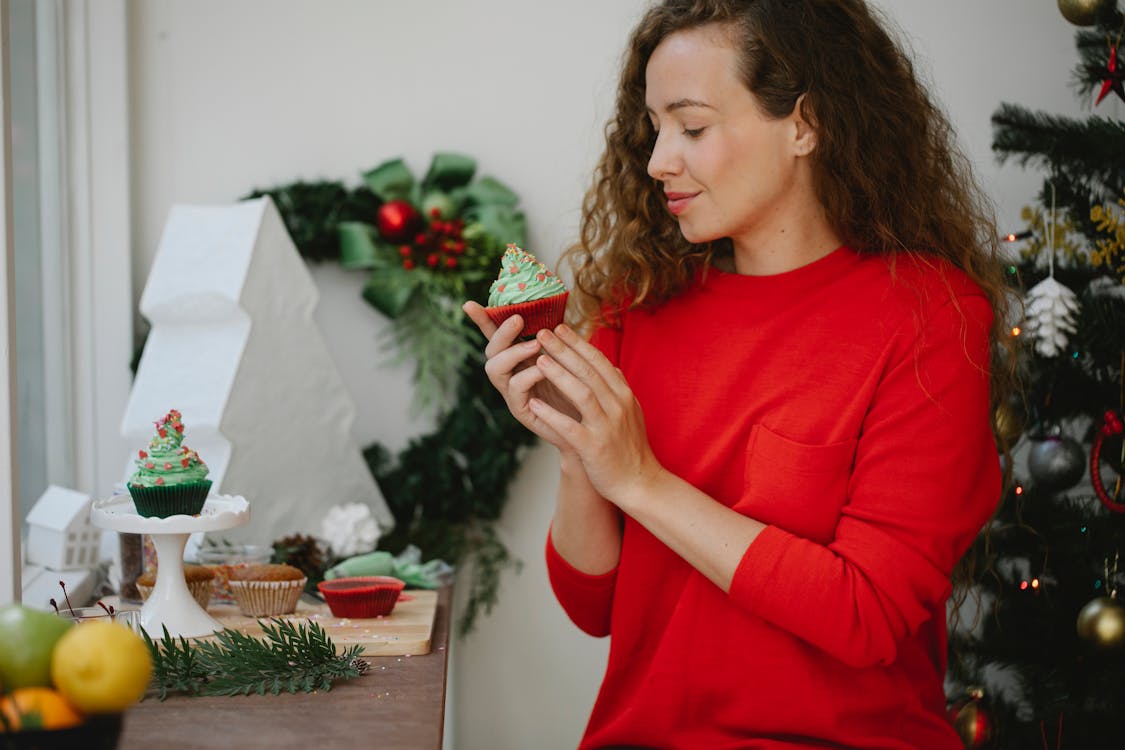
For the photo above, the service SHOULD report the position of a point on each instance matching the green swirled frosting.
(167, 461)
(522, 278)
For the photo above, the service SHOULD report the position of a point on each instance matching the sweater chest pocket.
(798, 487)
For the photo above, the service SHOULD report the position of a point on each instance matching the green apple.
(27, 637)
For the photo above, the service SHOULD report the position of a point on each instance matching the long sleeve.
(586, 599)
(925, 479)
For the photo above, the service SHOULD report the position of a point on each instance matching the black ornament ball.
(1056, 463)
(1102, 623)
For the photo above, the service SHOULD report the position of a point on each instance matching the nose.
(665, 160)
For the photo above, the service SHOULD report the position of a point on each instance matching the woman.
(775, 444)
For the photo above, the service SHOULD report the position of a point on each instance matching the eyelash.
(689, 132)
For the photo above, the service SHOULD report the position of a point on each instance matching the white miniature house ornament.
(62, 546)
(235, 348)
(59, 533)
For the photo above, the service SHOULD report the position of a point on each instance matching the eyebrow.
(682, 104)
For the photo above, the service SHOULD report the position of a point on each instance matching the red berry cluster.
(438, 245)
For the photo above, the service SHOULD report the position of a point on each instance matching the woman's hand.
(608, 431)
(511, 369)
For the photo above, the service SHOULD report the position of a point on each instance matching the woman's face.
(727, 169)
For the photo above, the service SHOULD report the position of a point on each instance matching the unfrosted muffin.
(267, 590)
(199, 578)
(526, 287)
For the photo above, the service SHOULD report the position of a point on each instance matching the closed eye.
(693, 132)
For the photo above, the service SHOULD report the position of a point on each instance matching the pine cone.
(302, 552)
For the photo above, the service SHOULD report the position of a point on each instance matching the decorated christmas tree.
(1040, 661)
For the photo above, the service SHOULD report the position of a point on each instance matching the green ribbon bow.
(406, 567)
(486, 206)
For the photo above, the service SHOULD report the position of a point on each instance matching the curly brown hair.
(886, 166)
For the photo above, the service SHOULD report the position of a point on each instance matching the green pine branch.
(1093, 47)
(312, 210)
(1082, 157)
(292, 658)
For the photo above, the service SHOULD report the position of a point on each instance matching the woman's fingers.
(584, 363)
(477, 314)
(596, 360)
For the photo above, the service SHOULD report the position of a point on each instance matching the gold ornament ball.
(1083, 12)
(1102, 622)
(1008, 423)
(974, 724)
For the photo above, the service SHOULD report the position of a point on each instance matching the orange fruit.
(38, 708)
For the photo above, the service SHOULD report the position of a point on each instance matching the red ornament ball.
(397, 220)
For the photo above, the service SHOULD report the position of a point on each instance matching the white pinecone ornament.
(1051, 311)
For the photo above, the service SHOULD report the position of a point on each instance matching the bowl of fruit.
(66, 685)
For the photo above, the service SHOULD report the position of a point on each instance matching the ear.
(804, 139)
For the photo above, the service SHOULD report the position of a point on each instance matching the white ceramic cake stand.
(171, 605)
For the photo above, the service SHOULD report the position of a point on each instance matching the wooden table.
(398, 704)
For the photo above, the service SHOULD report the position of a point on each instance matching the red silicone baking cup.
(361, 596)
(537, 314)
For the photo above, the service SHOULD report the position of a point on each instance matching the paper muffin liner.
(171, 500)
(537, 314)
(200, 591)
(267, 598)
(361, 597)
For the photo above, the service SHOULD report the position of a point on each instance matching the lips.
(678, 202)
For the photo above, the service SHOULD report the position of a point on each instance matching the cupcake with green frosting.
(171, 479)
(528, 288)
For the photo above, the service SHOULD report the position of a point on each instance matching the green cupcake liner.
(171, 500)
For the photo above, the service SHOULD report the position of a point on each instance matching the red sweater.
(844, 404)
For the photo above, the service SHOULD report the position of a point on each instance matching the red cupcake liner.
(359, 597)
(537, 314)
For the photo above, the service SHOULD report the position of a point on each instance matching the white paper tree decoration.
(1052, 311)
(235, 348)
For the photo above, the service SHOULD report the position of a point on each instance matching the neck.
(789, 234)
(785, 249)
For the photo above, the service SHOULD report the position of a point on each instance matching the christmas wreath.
(428, 245)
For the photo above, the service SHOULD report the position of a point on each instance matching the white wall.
(229, 96)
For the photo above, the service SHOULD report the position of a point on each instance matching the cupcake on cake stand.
(171, 605)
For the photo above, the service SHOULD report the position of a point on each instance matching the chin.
(698, 235)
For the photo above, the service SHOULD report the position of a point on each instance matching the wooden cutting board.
(405, 631)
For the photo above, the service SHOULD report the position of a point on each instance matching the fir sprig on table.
(291, 657)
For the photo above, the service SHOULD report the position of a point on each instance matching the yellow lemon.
(101, 667)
